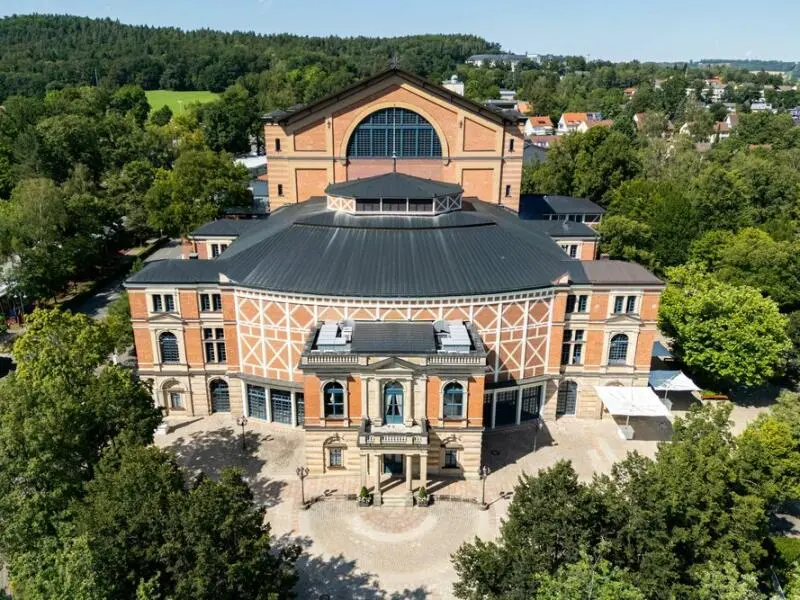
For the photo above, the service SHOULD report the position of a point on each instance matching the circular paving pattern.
(409, 548)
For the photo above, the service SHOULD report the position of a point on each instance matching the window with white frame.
(176, 400)
(214, 342)
(210, 302)
(624, 305)
(453, 401)
(168, 347)
(571, 249)
(335, 457)
(217, 249)
(163, 303)
(450, 458)
(333, 400)
(618, 349)
(572, 347)
(577, 303)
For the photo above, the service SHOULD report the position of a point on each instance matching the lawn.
(177, 101)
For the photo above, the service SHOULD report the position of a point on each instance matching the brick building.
(394, 304)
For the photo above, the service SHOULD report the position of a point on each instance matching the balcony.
(393, 436)
(331, 358)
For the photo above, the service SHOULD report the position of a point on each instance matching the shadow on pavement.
(337, 578)
(213, 451)
(506, 447)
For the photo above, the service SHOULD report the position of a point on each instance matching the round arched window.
(394, 132)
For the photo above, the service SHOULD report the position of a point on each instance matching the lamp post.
(302, 473)
(242, 422)
(484, 473)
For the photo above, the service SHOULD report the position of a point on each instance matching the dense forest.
(43, 52)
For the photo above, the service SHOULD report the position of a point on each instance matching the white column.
(519, 406)
(494, 407)
(293, 399)
(376, 478)
(245, 407)
(423, 469)
(408, 459)
(268, 394)
(364, 458)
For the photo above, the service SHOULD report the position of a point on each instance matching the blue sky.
(614, 30)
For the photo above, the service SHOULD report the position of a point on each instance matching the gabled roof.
(558, 205)
(393, 185)
(575, 117)
(540, 121)
(618, 272)
(294, 113)
(224, 227)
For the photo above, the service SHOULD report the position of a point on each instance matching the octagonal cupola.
(394, 194)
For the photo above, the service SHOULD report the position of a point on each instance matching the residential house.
(578, 121)
(538, 125)
(454, 84)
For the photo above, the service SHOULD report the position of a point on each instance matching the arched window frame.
(177, 350)
(406, 397)
(213, 386)
(449, 388)
(618, 345)
(394, 131)
(326, 385)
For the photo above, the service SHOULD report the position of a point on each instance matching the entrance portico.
(379, 467)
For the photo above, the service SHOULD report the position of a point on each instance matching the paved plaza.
(393, 553)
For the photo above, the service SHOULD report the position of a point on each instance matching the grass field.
(177, 101)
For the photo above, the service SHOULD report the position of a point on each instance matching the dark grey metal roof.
(393, 337)
(620, 272)
(177, 271)
(559, 205)
(393, 185)
(225, 227)
(307, 249)
(564, 229)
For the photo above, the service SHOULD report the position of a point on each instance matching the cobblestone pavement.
(396, 553)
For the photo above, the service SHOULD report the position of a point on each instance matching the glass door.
(393, 404)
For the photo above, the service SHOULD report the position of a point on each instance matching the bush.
(787, 551)
(362, 493)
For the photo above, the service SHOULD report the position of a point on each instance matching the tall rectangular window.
(277, 145)
(450, 458)
(508, 191)
(619, 304)
(572, 347)
(158, 305)
(214, 345)
(280, 189)
(630, 306)
(205, 302)
(510, 145)
(216, 302)
(169, 303)
(571, 249)
(335, 457)
(214, 250)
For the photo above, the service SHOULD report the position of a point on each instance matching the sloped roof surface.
(392, 185)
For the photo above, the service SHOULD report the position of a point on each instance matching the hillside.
(45, 51)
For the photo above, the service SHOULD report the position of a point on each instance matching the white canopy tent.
(631, 402)
(672, 381)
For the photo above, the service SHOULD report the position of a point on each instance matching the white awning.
(672, 381)
(631, 401)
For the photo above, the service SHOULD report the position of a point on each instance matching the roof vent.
(334, 336)
(452, 336)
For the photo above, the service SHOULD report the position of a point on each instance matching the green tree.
(725, 582)
(587, 578)
(161, 116)
(118, 324)
(730, 334)
(199, 186)
(131, 99)
(529, 545)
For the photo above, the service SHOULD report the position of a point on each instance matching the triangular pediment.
(394, 364)
(165, 317)
(623, 319)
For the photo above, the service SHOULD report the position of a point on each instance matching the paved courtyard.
(394, 553)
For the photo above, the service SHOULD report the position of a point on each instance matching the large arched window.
(333, 397)
(453, 400)
(220, 396)
(394, 132)
(618, 349)
(168, 345)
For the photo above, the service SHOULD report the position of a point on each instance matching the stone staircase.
(397, 500)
